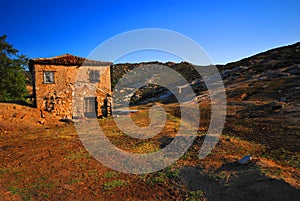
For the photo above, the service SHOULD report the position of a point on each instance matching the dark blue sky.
(227, 30)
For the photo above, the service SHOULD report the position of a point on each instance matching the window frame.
(94, 76)
(44, 76)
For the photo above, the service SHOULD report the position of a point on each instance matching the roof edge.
(68, 60)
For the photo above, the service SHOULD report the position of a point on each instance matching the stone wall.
(100, 90)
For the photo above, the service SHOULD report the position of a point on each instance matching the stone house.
(72, 87)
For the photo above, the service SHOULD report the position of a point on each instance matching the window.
(94, 76)
(48, 77)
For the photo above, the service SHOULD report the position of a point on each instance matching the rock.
(295, 70)
(245, 160)
(24, 116)
(271, 74)
(243, 96)
(42, 114)
(165, 95)
(41, 121)
(282, 99)
(276, 107)
(66, 120)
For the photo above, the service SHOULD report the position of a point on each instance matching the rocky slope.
(271, 75)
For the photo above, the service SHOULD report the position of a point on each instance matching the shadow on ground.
(241, 182)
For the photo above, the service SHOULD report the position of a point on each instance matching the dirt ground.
(44, 159)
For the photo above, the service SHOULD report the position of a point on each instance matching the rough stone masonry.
(55, 80)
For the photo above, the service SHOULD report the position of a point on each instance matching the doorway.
(90, 108)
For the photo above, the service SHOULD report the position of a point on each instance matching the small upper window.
(48, 77)
(94, 76)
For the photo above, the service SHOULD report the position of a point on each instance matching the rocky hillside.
(275, 58)
(273, 74)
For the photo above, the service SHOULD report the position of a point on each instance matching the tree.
(12, 72)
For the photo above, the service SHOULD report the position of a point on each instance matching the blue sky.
(226, 30)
